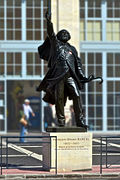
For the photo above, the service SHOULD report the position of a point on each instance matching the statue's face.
(63, 35)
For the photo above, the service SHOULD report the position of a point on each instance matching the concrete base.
(74, 151)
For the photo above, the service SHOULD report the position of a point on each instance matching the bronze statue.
(65, 77)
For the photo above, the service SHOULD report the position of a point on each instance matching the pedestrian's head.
(27, 101)
(63, 35)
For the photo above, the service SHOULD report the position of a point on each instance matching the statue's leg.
(59, 102)
(77, 101)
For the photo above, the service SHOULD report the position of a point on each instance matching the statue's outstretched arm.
(50, 30)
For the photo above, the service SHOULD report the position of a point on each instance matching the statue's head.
(63, 35)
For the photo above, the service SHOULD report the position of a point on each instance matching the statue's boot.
(81, 123)
(61, 122)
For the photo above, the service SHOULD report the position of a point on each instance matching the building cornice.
(19, 45)
(100, 46)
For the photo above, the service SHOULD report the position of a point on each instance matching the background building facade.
(95, 29)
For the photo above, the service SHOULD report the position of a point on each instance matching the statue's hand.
(48, 16)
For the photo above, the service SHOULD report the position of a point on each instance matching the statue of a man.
(65, 74)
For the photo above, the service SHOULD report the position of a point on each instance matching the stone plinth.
(66, 129)
(74, 151)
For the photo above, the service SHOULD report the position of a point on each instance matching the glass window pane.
(90, 99)
(98, 3)
(37, 24)
(30, 13)
(82, 13)
(117, 58)
(45, 2)
(117, 71)
(9, 70)
(91, 111)
(18, 58)
(110, 99)
(109, 3)
(110, 71)
(99, 111)
(38, 70)
(17, 2)
(110, 13)
(2, 126)
(37, 13)
(29, 2)
(10, 12)
(97, 13)
(90, 3)
(90, 13)
(10, 24)
(1, 23)
(90, 58)
(29, 35)
(90, 69)
(1, 2)
(82, 3)
(17, 35)
(110, 86)
(117, 86)
(37, 3)
(29, 58)
(1, 58)
(17, 12)
(117, 13)
(29, 24)
(117, 4)
(1, 70)
(98, 58)
(1, 35)
(17, 70)
(18, 24)
(99, 99)
(29, 70)
(110, 111)
(98, 70)
(9, 58)
(110, 58)
(9, 2)
(1, 12)
(37, 35)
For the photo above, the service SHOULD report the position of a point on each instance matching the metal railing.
(8, 142)
(106, 142)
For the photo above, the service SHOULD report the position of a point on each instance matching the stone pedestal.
(74, 151)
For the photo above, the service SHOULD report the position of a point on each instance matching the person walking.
(25, 116)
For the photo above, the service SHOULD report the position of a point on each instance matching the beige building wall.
(65, 15)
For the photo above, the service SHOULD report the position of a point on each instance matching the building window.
(14, 64)
(113, 20)
(90, 20)
(33, 19)
(2, 65)
(113, 30)
(94, 8)
(2, 106)
(13, 20)
(113, 105)
(94, 31)
(113, 9)
(2, 20)
(33, 64)
(113, 64)
(92, 63)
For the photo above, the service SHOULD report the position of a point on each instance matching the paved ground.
(26, 158)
